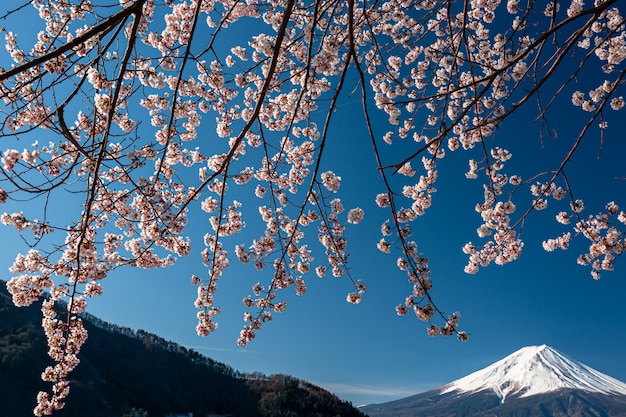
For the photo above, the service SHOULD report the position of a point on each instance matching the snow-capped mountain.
(535, 381)
(536, 370)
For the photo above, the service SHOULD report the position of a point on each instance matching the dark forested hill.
(122, 369)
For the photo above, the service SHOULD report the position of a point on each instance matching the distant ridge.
(535, 381)
(123, 371)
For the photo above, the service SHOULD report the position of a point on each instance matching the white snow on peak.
(536, 370)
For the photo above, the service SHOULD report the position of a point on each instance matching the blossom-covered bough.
(111, 97)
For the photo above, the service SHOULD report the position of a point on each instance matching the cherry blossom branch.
(102, 28)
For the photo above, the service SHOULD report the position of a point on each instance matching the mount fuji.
(535, 381)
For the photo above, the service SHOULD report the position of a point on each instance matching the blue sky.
(366, 353)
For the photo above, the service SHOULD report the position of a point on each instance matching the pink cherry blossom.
(152, 111)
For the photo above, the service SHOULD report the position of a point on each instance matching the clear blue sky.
(366, 353)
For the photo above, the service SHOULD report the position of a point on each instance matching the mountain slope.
(122, 369)
(560, 403)
(536, 381)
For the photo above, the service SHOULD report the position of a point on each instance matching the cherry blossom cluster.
(412, 262)
(331, 235)
(604, 231)
(456, 80)
(65, 339)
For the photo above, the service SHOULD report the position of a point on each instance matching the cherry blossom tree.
(111, 95)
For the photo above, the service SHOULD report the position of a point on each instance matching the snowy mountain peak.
(535, 370)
